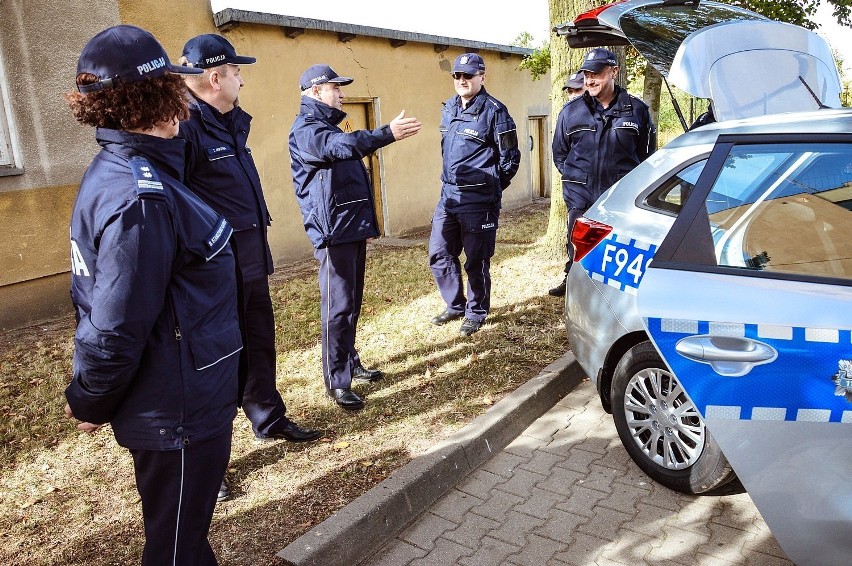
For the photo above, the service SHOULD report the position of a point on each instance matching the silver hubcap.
(662, 419)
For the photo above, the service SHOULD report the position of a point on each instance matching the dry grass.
(68, 498)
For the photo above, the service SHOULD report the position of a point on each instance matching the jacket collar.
(167, 155)
(322, 111)
(210, 116)
(618, 100)
(476, 104)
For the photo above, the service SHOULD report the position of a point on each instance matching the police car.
(711, 297)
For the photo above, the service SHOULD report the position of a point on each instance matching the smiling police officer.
(220, 170)
(479, 146)
(152, 282)
(599, 138)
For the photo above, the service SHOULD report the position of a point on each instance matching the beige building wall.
(39, 45)
(40, 41)
(412, 77)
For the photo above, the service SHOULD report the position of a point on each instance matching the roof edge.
(231, 17)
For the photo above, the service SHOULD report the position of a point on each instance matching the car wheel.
(661, 428)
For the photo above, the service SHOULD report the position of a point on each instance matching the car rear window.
(671, 195)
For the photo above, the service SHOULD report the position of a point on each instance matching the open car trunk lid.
(745, 63)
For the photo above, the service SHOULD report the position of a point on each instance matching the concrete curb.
(379, 515)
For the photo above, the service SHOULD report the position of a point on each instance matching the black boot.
(224, 492)
(559, 290)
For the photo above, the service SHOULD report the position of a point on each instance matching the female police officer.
(152, 282)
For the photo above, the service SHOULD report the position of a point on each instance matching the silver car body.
(785, 465)
(762, 341)
(748, 66)
(601, 314)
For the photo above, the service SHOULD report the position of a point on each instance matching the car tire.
(660, 427)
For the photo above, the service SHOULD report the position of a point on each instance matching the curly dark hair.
(134, 106)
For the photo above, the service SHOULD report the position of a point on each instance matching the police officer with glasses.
(479, 146)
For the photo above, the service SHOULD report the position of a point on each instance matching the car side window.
(673, 192)
(784, 208)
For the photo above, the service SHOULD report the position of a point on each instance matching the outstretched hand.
(402, 127)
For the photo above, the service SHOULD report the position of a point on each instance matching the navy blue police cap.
(469, 63)
(321, 74)
(598, 59)
(212, 50)
(575, 81)
(125, 54)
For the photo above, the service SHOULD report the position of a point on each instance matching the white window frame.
(10, 154)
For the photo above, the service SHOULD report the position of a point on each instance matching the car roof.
(825, 121)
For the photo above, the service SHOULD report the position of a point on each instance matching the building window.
(10, 161)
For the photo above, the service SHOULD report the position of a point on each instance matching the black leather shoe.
(346, 399)
(292, 432)
(468, 327)
(559, 290)
(224, 492)
(445, 317)
(360, 373)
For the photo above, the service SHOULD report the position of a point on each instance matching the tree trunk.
(651, 91)
(563, 62)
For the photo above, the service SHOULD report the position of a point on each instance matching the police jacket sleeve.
(561, 143)
(189, 133)
(324, 144)
(131, 275)
(506, 138)
(647, 138)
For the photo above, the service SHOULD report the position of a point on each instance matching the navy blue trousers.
(573, 215)
(341, 282)
(178, 490)
(261, 400)
(475, 233)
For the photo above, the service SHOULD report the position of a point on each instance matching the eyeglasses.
(466, 76)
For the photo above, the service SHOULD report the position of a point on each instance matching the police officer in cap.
(599, 138)
(152, 281)
(479, 146)
(575, 85)
(220, 170)
(335, 195)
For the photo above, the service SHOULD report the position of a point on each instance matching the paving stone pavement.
(565, 492)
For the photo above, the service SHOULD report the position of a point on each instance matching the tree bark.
(651, 91)
(563, 62)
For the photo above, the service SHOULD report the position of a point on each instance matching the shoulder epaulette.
(147, 181)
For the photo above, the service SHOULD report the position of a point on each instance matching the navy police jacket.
(332, 185)
(152, 282)
(220, 169)
(595, 149)
(479, 145)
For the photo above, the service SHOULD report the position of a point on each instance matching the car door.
(749, 302)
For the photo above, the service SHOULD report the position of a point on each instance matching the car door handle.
(730, 356)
